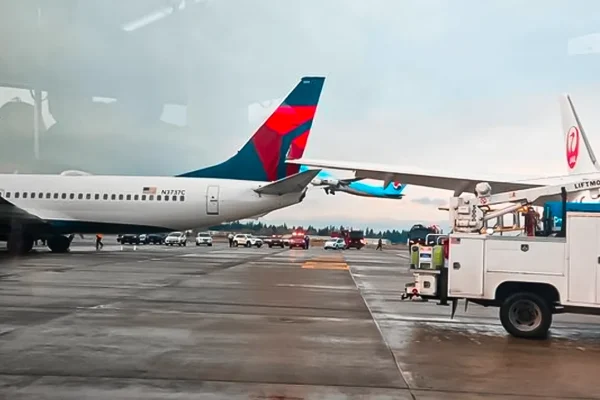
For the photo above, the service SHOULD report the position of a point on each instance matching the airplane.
(332, 184)
(255, 181)
(579, 166)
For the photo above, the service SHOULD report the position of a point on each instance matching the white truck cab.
(529, 277)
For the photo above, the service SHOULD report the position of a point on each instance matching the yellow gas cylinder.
(414, 255)
(438, 256)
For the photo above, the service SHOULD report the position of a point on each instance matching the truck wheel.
(526, 315)
(248, 244)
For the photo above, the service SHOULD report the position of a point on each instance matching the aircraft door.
(212, 200)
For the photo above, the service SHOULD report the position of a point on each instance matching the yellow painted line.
(326, 262)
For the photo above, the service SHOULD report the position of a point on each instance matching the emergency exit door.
(212, 200)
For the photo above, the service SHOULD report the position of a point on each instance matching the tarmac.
(216, 322)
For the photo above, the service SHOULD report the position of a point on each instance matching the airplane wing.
(390, 173)
(9, 212)
(292, 184)
(349, 181)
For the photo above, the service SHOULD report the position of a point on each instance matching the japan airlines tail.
(578, 169)
(331, 184)
(255, 181)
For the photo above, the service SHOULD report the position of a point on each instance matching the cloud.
(428, 201)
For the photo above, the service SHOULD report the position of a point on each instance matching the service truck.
(554, 268)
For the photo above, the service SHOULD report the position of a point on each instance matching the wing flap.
(417, 178)
(292, 184)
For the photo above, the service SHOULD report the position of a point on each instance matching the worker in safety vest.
(99, 243)
(531, 221)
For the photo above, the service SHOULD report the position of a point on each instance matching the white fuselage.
(169, 203)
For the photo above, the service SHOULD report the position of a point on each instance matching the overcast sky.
(460, 86)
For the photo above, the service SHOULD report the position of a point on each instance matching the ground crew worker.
(99, 243)
(230, 237)
(379, 245)
(306, 241)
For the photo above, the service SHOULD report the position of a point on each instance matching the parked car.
(276, 240)
(130, 238)
(156, 238)
(298, 241)
(247, 240)
(176, 238)
(204, 238)
(335, 244)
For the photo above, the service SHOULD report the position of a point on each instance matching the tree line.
(262, 229)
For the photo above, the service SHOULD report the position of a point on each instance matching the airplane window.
(136, 197)
(48, 195)
(32, 195)
(7, 195)
(151, 197)
(105, 197)
(24, 195)
(96, 196)
(56, 195)
(174, 198)
(80, 196)
(120, 197)
(166, 198)
(143, 197)
(72, 196)
(181, 198)
(88, 196)
(41, 195)
(113, 196)
(128, 197)
(64, 196)
(16, 195)
(158, 197)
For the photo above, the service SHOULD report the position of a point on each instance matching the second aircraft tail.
(579, 155)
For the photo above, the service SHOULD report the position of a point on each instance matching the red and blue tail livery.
(282, 136)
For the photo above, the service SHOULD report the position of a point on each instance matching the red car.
(297, 241)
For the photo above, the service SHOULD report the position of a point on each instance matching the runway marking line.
(326, 262)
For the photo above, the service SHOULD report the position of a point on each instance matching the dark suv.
(356, 239)
(130, 238)
(156, 238)
(276, 240)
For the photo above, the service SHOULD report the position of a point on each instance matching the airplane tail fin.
(579, 154)
(283, 135)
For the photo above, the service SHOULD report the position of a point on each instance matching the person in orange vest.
(99, 243)
(531, 221)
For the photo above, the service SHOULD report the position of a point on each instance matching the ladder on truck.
(469, 215)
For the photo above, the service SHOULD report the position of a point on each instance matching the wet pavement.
(218, 323)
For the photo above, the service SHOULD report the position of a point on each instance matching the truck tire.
(526, 315)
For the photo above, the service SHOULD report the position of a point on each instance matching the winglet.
(292, 184)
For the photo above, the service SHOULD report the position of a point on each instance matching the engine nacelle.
(330, 182)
